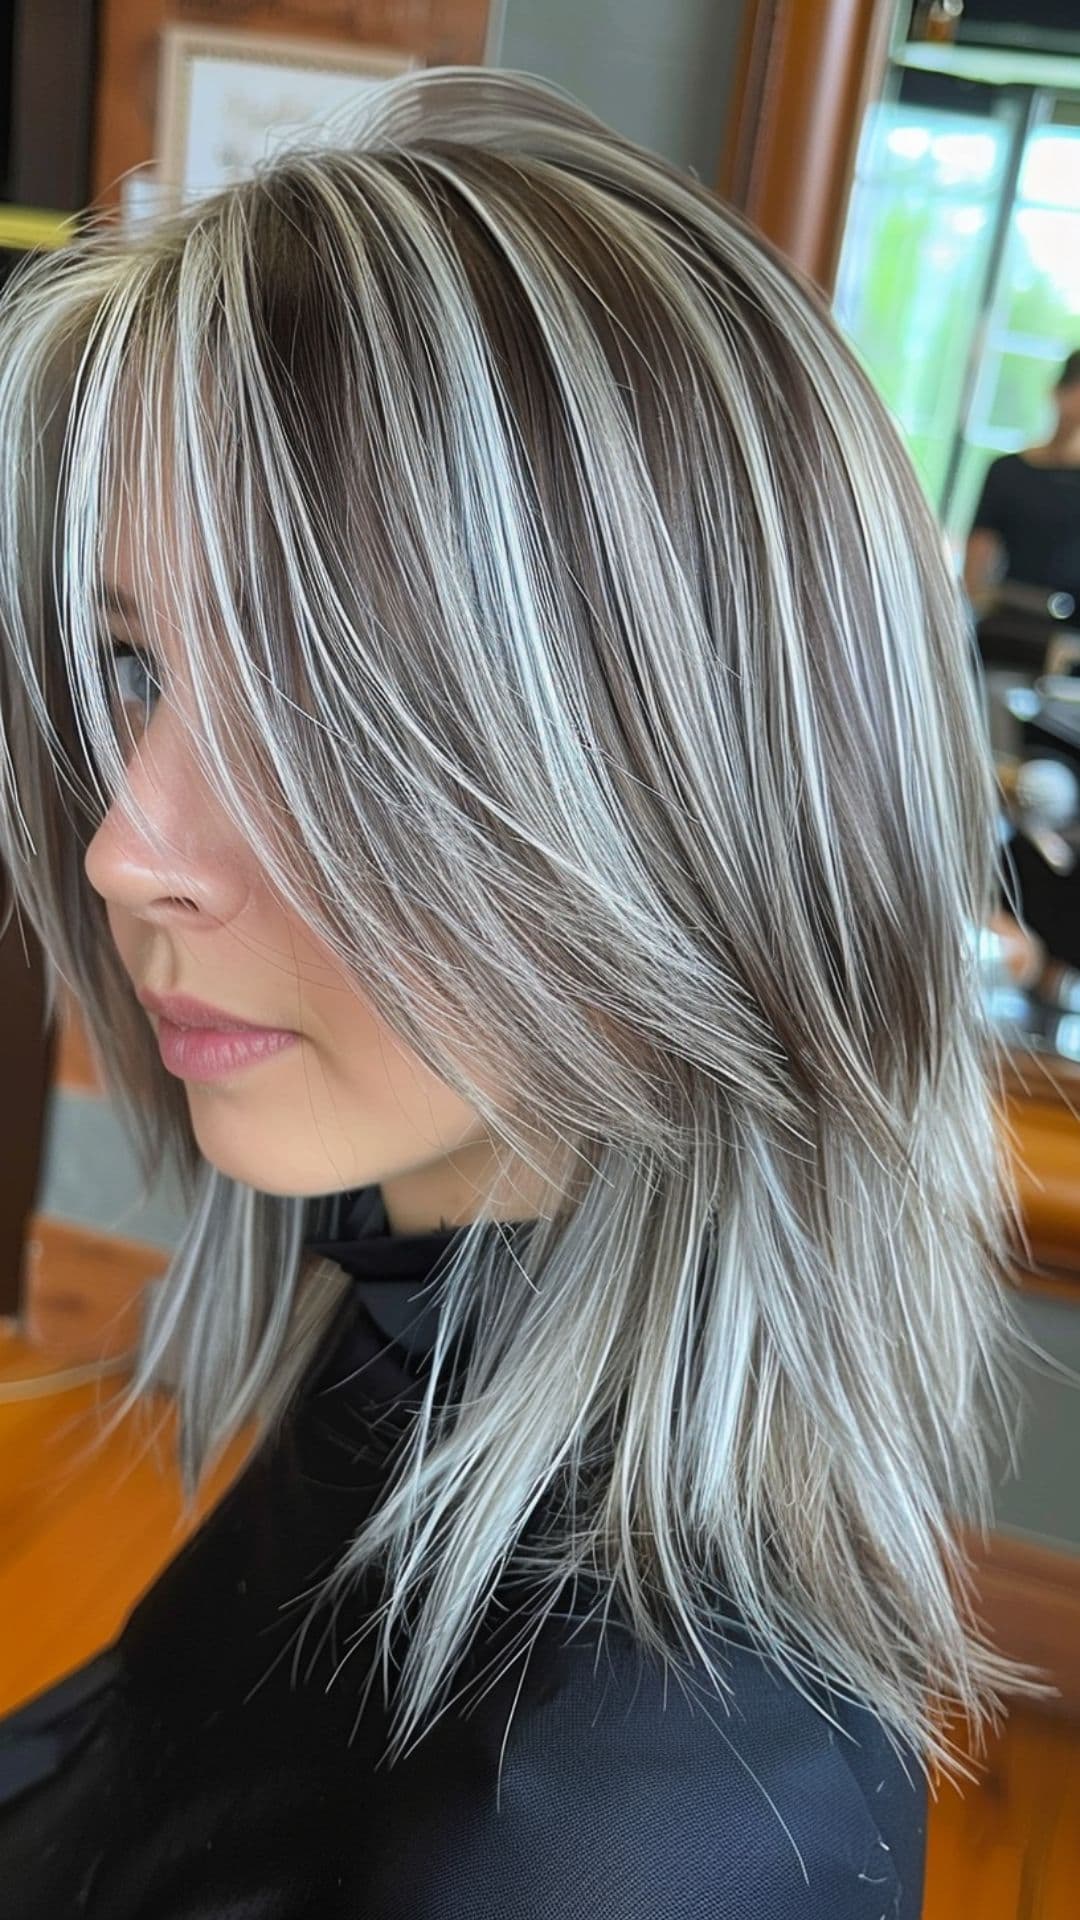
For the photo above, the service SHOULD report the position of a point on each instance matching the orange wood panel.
(86, 1523)
(442, 32)
(82, 1290)
(1029, 1601)
(28, 1051)
(1008, 1846)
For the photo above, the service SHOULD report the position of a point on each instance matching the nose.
(166, 851)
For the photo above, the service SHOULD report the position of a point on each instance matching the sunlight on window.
(908, 143)
(914, 262)
(964, 158)
(1052, 244)
(1051, 169)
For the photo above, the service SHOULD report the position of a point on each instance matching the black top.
(205, 1767)
(1035, 511)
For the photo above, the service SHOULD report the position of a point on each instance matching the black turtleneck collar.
(394, 1273)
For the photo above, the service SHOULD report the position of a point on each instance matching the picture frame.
(229, 98)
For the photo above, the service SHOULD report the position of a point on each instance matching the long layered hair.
(571, 639)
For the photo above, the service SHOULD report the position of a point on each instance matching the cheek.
(365, 1060)
(381, 1091)
(364, 1068)
(127, 933)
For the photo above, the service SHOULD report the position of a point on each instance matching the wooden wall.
(442, 32)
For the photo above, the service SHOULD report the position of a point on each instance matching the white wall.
(657, 70)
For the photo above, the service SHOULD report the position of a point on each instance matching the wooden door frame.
(807, 69)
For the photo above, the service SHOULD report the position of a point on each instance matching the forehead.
(134, 574)
(131, 554)
(136, 529)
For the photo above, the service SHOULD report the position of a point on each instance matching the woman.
(1027, 523)
(490, 743)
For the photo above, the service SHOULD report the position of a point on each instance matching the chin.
(268, 1151)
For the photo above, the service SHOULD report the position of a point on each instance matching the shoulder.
(595, 1784)
(1016, 474)
(1006, 471)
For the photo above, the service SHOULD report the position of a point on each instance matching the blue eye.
(135, 684)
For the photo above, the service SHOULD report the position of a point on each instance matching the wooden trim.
(1028, 1596)
(805, 74)
(747, 95)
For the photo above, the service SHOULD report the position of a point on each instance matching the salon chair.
(1028, 630)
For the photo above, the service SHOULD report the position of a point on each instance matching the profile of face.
(322, 1097)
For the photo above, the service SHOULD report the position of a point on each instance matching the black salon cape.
(199, 1770)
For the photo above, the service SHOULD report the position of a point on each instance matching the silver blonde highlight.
(572, 640)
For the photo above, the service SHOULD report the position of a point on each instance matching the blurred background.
(921, 163)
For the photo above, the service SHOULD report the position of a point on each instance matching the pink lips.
(199, 1042)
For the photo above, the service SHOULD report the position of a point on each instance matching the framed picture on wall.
(229, 99)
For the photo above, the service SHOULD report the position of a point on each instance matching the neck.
(451, 1191)
(1063, 446)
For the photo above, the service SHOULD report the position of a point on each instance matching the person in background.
(1026, 526)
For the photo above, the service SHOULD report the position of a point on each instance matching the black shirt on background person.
(1026, 526)
(1034, 510)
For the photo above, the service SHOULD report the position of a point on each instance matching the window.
(959, 277)
(916, 255)
(1033, 317)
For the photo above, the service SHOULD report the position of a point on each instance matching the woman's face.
(334, 1100)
